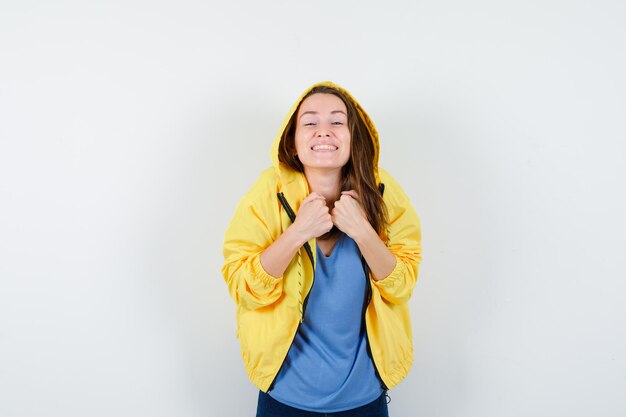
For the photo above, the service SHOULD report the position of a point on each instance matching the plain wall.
(129, 130)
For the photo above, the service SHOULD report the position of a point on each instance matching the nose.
(322, 132)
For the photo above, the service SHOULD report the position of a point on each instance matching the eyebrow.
(332, 112)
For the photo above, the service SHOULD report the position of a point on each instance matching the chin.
(324, 166)
(316, 163)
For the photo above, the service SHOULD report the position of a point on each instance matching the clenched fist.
(313, 218)
(348, 215)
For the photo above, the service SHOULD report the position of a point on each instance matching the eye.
(309, 124)
(338, 123)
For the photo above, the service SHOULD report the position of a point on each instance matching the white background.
(129, 130)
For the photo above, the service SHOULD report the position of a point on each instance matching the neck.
(325, 182)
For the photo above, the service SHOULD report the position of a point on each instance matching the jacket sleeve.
(403, 241)
(246, 237)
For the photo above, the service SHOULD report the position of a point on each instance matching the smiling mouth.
(324, 148)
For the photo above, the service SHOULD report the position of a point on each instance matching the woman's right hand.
(313, 217)
(313, 220)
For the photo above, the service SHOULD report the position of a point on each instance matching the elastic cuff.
(267, 279)
(390, 280)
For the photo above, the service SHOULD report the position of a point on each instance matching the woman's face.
(322, 135)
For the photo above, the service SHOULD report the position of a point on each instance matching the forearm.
(379, 259)
(276, 257)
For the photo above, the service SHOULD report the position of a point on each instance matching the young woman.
(321, 258)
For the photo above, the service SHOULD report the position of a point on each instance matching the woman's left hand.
(348, 215)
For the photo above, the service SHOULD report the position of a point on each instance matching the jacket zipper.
(369, 298)
(381, 188)
(307, 247)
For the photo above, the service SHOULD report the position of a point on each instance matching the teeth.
(324, 147)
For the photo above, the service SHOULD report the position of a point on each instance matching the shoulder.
(255, 222)
(400, 209)
(260, 205)
(393, 193)
(264, 187)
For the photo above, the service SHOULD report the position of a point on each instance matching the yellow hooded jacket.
(270, 310)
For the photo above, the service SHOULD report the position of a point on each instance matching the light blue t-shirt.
(328, 368)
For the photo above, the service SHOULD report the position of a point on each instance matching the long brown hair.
(357, 173)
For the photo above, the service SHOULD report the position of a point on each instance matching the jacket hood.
(287, 174)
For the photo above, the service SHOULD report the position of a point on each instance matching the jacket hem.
(397, 374)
